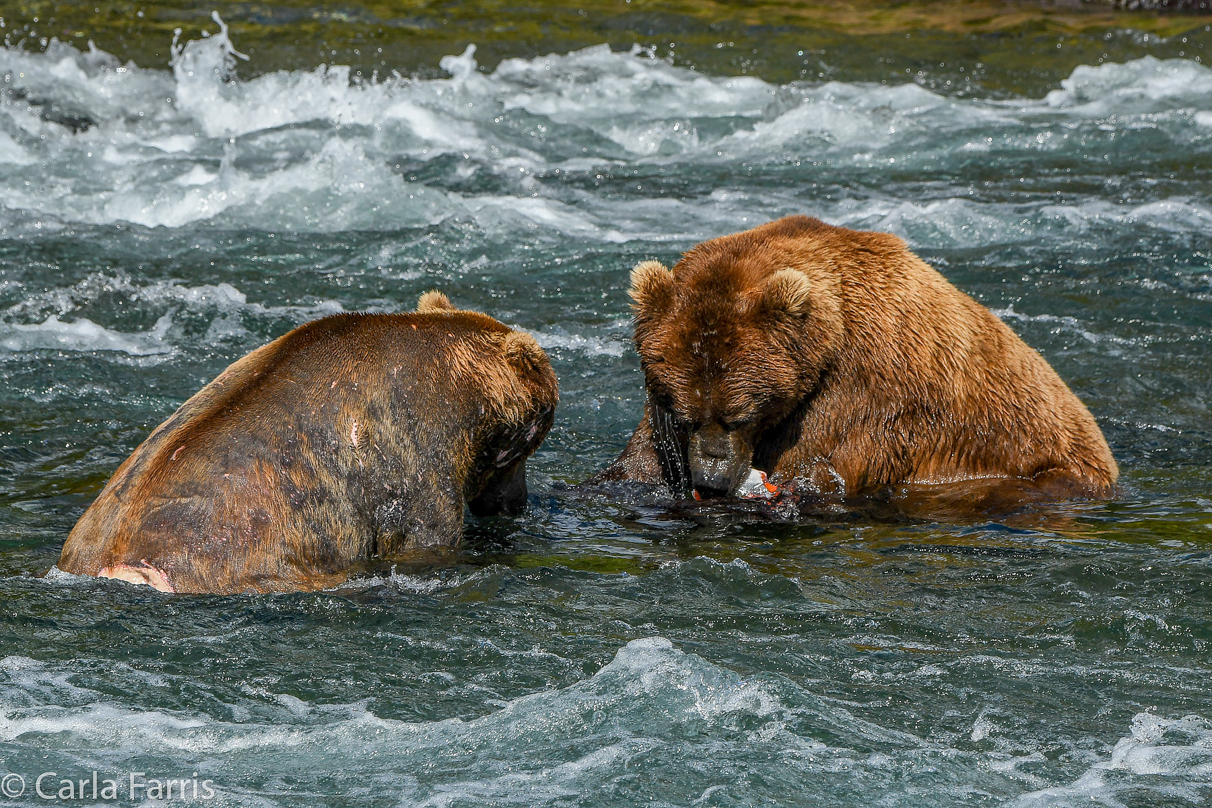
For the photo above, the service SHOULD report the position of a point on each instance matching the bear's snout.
(719, 460)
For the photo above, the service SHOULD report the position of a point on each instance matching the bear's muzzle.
(719, 460)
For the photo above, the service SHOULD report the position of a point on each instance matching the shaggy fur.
(351, 437)
(840, 358)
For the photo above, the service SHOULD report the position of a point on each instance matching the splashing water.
(530, 141)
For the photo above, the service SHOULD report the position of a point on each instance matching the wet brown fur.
(838, 356)
(351, 437)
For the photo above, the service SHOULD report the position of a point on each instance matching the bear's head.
(519, 388)
(731, 344)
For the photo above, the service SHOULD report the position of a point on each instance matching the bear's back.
(925, 348)
(242, 459)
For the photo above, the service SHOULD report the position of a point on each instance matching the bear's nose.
(715, 457)
(710, 474)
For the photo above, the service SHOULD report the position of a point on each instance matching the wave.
(562, 340)
(56, 319)
(53, 319)
(574, 145)
(1168, 758)
(653, 708)
(83, 335)
(1144, 85)
(651, 698)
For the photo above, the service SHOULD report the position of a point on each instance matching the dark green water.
(157, 224)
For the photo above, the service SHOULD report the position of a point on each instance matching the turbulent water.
(157, 224)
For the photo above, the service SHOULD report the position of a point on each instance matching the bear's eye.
(682, 422)
(735, 422)
(660, 399)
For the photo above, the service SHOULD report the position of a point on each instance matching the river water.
(156, 224)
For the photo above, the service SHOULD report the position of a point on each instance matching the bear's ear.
(523, 353)
(651, 288)
(432, 302)
(786, 293)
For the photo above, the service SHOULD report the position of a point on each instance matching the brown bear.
(840, 360)
(351, 437)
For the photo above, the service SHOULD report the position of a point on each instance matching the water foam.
(1144, 85)
(561, 340)
(652, 707)
(53, 319)
(1169, 758)
(83, 335)
(319, 151)
(651, 696)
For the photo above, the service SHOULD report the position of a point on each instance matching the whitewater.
(89, 141)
